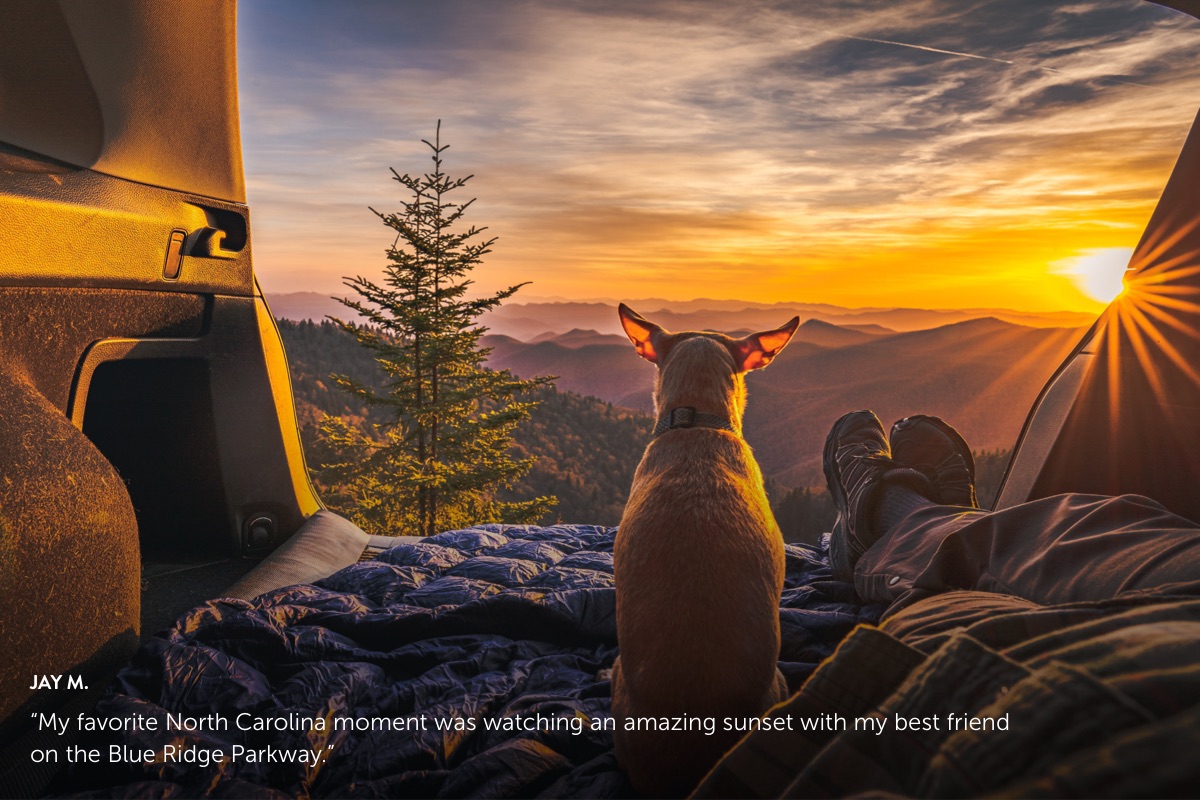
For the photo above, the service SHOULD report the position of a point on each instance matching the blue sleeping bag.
(425, 667)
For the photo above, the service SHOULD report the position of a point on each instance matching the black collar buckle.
(681, 417)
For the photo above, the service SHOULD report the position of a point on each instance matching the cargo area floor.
(171, 584)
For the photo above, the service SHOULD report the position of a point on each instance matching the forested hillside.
(586, 453)
(586, 448)
(982, 376)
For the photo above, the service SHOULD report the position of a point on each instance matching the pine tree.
(444, 453)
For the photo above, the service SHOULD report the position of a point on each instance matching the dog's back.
(699, 565)
(699, 568)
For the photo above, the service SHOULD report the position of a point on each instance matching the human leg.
(1060, 549)
(897, 545)
(858, 470)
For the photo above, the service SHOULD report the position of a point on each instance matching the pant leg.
(1062, 549)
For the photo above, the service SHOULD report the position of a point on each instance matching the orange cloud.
(682, 149)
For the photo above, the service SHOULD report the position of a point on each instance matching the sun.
(1098, 272)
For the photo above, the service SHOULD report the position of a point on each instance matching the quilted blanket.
(472, 664)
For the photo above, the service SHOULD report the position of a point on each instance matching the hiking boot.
(858, 464)
(933, 448)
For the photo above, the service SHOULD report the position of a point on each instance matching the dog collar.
(688, 417)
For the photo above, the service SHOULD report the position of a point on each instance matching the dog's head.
(654, 343)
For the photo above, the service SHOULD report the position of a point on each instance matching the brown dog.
(698, 562)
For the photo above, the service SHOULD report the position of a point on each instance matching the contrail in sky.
(931, 49)
(972, 55)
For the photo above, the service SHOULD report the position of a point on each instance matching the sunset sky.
(930, 153)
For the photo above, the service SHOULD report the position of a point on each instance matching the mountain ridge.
(587, 448)
(982, 375)
(528, 320)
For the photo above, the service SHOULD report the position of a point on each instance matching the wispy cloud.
(837, 151)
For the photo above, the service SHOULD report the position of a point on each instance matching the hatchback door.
(145, 408)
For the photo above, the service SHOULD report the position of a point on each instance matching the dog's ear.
(756, 350)
(642, 332)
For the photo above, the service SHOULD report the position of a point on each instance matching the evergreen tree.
(444, 453)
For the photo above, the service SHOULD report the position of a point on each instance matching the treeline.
(586, 449)
(586, 452)
(314, 352)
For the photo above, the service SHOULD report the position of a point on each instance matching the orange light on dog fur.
(697, 526)
(640, 331)
(758, 349)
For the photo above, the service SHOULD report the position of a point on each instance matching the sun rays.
(1152, 323)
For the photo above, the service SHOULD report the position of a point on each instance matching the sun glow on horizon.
(1099, 272)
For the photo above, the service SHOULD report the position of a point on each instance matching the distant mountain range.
(526, 321)
(531, 320)
(814, 332)
(982, 375)
(981, 369)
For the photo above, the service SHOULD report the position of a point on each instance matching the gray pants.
(1063, 549)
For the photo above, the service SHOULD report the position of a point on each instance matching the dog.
(698, 563)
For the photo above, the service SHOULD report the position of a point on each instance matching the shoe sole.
(948, 434)
(829, 463)
(841, 562)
